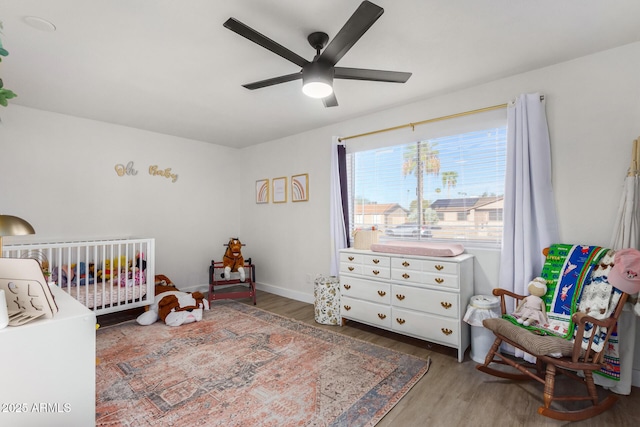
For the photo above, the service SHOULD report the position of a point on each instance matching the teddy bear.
(173, 306)
(532, 309)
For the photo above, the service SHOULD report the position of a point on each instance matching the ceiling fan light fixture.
(317, 89)
(317, 80)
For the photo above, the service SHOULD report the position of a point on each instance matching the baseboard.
(195, 288)
(635, 378)
(287, 293)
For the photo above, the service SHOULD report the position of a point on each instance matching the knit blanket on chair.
(600, 299)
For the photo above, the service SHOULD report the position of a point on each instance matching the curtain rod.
(437, 119)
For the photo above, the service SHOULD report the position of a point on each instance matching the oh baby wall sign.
(154, 170)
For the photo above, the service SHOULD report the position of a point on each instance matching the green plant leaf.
(8, 94)
(5, 95)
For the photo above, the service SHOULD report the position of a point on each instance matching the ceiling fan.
(317, 75)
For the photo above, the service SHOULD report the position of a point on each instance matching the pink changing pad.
(419, 248)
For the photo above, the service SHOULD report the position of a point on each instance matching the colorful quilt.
(576, 278)
(566, 269)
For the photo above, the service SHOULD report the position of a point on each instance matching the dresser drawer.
(407, 276)
(406, 264)
(364, 311)
(444, 280)
(377, 272)
(376, 261)
(350, 258)
(426, 300)
(427, 326)
(350, 268)
(442, 267)
(369, 290)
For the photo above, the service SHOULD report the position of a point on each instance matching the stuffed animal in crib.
(135, 275)
(232, 260)
(111, 267)
(532, 309)
(173, 306)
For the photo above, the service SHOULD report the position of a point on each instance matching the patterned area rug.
(242, 366)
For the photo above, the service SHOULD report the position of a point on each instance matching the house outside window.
(441, 189)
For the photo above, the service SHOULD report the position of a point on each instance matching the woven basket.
(363, 239)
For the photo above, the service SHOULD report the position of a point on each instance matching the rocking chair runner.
(572, 357)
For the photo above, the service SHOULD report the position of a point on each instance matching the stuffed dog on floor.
(173, 306)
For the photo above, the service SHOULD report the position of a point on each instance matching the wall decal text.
(123, 170)
(154, 171)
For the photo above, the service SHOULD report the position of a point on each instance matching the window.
(445, 188)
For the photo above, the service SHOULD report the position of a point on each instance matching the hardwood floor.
(451, 393)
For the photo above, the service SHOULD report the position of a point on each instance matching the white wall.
(58, 173)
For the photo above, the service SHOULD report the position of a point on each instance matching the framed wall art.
(300, 188)
(262, 191)
(280, 190)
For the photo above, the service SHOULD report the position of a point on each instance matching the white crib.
(104, 275)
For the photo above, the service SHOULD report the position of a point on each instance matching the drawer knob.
(347, 307)
(382, 293)
(445, 304)
(400, 321)
(400, 296)
(382, 316)
(406, 276)
(350, 268)
(375, 261)
(447, 331)
(347, 286)
(405, 264)
(439, 280)
(439, 267)
(351, 258)
(376, 272)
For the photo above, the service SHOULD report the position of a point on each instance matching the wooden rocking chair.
(574, 358)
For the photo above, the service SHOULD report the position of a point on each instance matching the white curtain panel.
(626, 234)
(338, 232)
(530, 220)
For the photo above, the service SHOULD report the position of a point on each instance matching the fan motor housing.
(318, 40)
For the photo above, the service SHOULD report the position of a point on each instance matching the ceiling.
(169, 66)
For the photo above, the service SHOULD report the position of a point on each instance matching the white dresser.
(423, 297)
(49, 368)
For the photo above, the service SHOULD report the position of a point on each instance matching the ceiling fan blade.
(274, 81)
(264, 41)
(373, 75)
(361, 20)
(330, 101)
